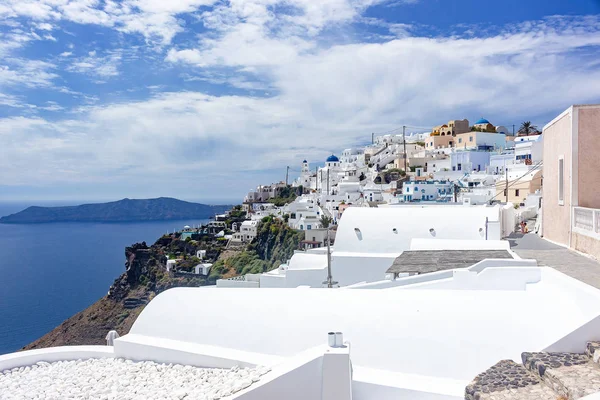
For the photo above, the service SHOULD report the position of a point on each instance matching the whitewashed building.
(429, 190)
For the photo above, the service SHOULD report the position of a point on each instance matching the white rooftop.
(436, 333)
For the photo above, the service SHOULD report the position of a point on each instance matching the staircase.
(542, 376)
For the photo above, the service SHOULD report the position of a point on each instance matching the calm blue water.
(48, 272)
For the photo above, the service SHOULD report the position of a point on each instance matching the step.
(508, 380)
(571, 375)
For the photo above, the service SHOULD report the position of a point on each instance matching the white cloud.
(156, 20)
(44, 26)
(102, 67)
(28, 73)
(66, 54)
(326, 99)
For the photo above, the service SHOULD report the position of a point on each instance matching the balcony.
(586, 221)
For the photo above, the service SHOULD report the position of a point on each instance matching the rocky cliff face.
(145, 276)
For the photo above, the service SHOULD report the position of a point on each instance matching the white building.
(352, 155)
(304, 213)
(307, 179)
(529, 149)
(248, 230)
(427, 191)
(202, 269)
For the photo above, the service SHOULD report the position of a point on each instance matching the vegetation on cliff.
(274, 244)
(125, 210)
(286, 195)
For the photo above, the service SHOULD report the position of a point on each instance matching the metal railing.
(587, 219)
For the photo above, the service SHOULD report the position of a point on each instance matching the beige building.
(455, 127)
(436, 142)
(520, 184)
(571, 204)
(443, 135)
(452, 128)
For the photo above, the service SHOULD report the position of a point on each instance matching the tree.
(325, 221)
(527, 129)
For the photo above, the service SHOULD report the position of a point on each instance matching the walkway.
(564, 260)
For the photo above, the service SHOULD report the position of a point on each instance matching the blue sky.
(205, 99)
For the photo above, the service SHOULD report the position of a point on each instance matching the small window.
(504, 192)
(517, 192)
(470, 138)
(308, 227)
(459, 140)
(561, 182)
(459, 166)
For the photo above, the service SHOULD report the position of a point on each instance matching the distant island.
(126, 210)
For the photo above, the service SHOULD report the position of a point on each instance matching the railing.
(586, 220)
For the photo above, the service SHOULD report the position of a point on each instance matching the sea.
(49, 272)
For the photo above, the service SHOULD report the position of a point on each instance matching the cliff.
(145, 276)
(125, 210)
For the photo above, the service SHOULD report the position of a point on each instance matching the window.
(459, 140)
(470, 138)
(561, 182)
(308, 227)
(459, 167)
(517, 192)
(504, 192)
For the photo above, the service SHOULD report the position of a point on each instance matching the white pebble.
(112, 379)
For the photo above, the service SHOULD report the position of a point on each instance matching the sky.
(205, 99)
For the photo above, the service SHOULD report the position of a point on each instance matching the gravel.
(109, 378)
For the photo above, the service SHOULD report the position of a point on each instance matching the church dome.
(482, 121)
(304, 162)
(332, 158)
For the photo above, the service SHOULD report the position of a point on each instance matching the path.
(564, 260)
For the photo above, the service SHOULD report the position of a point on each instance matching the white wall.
(349, 268)
(231, 283)
(299, 381)
(376, 226)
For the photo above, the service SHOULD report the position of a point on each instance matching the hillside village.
(457, 163)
